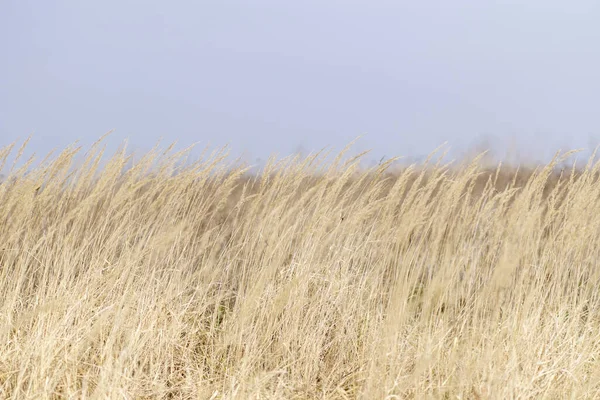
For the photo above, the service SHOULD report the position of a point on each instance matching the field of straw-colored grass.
(173, 278)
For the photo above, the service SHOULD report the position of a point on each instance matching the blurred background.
(518, 77)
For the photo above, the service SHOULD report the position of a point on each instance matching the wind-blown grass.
(313, 279)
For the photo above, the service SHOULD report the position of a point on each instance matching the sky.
(267, 76)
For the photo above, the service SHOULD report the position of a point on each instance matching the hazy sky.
(274, 76)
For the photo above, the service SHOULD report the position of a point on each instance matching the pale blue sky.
(271, 76)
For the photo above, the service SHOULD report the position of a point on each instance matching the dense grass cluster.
(171, 278)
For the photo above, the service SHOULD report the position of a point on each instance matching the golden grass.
(309, 280)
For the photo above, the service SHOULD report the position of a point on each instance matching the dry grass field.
(171, 278)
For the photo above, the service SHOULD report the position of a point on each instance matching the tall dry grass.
(312, 279)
